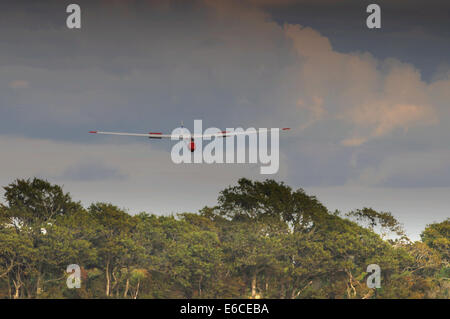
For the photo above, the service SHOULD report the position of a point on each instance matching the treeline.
(262, 240)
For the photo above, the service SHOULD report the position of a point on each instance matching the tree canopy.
(262, 240)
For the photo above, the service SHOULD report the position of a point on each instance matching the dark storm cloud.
(146, 65)
(415, 30)
(138, 69)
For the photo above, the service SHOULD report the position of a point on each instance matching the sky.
(369, 108)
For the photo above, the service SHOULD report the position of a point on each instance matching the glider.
(190, 136)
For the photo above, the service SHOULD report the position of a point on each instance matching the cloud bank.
(358, 120)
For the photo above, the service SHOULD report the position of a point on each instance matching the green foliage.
(437, 236)
(263, 239)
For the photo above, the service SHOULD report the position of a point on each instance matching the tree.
(114, 242)
(35, 203)
(16, 254)
(437, 236)
(272, 202)
(32, 208)
(263, 239)
(263, 219)
(386, 223)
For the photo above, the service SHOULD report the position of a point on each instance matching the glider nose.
(191, 145)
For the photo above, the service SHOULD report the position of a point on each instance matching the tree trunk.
(38, 286)
(200, 286)
(283, 291)
(115, 286)
(127, 286)
(7, 270)
(17, 286)
(108, 280)
(9, 289)
(296, 294)
(254, 286)
(266, 288)
(137, 289)
(350, 288)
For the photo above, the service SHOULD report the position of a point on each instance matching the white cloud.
(374, 97)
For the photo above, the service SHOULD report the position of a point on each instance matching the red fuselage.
(191, 145)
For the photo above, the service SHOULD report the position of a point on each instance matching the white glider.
(191, 145)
